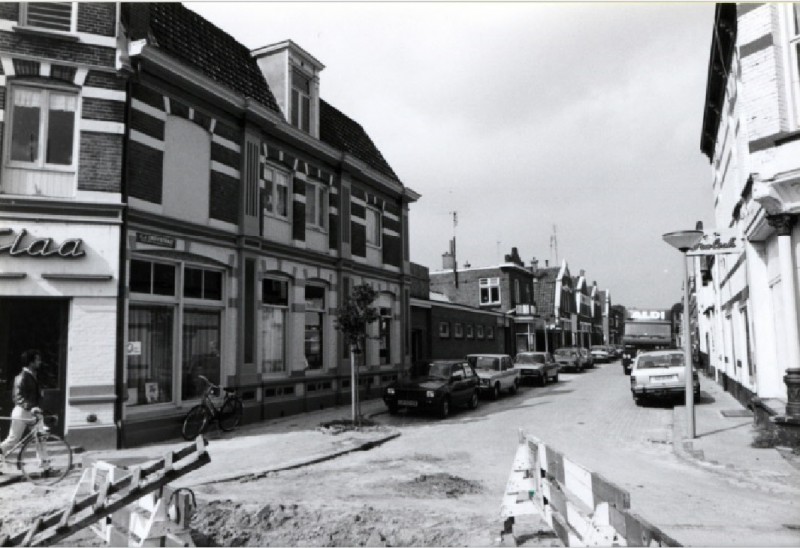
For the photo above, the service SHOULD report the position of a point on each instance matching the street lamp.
(683, 241)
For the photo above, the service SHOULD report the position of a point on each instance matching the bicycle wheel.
(230, 414)
(195, 422)
(45, 458)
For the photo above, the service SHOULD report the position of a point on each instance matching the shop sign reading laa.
(39, 247)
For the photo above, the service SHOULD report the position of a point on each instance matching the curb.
(365, 446)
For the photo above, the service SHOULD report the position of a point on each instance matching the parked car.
(600, 353)
(571, 358)
(439, 386)
(660, 374)
(496, 372)
(536, 366)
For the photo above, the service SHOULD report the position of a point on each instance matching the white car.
(660, 374)
(496, 372)
(600, 353)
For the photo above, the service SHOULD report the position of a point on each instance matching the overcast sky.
(523, 117)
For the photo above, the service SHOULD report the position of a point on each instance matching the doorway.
(40, 323)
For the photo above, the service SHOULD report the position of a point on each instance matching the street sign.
(717, 242)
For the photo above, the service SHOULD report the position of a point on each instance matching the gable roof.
(347, 135)
(185, 35)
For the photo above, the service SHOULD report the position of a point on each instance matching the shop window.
(274, 192)
(489, 290)
(42, 128)
(48, 15)
(201, 350)
(315, 311)
(374, 227)
(444, 330)
(275, 298)
(385, 336)
(199, 283)
(152, 278)
(150, 355)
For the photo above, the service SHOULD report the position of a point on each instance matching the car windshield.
(486, 363)
(654, 361)
(530, 358)
(565, 352)
(438, 370)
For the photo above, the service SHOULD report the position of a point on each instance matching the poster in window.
(151, 392)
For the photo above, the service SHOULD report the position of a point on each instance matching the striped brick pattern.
(149, 112)
(392, 241)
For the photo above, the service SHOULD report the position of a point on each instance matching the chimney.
(448, 261)
(583, 272)
(534, 265)
(547, 263)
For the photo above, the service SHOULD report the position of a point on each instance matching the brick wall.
(97, 18)
(145, 171)
(100, 161)
(455, 347)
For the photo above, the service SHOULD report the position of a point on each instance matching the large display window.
(175, 325)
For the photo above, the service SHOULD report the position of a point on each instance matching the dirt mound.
(226, 523)
(440, 485)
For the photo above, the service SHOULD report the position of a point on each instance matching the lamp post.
(683, 241)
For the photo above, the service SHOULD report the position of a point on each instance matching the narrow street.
(441, 482)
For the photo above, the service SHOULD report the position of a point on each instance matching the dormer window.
(301, 100)
(49, 15)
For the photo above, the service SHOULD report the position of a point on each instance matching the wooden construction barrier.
(125, 507)
(581, 507)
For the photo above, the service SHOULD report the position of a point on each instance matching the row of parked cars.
(440, 385)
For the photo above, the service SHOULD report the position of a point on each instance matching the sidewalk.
(722, 444)
(255, 450)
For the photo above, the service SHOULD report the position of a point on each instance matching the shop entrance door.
(34, 323)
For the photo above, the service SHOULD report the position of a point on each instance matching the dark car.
(438, 386)
(570, 358)
(536, 366)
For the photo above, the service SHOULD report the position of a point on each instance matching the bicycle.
(228, 415)
(44, 458)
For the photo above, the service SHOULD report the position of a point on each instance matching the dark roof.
(191, 39)
(341, 132)
(723, 42)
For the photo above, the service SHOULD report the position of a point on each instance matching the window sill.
(315, 228)
(374, 246)
(49, 33)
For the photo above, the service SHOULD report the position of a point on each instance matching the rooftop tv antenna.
(554, 246)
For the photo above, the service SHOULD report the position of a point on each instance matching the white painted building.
(747, 302)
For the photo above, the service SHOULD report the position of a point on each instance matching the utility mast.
(453, 246)
(554, 246)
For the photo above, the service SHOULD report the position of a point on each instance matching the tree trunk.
(353, 383)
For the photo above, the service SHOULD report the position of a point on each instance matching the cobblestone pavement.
(592, 419)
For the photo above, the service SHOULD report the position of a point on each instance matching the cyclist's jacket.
(26, 390)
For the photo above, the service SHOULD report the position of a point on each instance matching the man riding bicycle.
(27, 395)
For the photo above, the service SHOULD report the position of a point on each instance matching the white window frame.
(791, 31)
(301, 95)
(273, 174)
(488, 284)
(73, 24)
(374, 229)
(40, 164)
(320, 215)
(286, 327)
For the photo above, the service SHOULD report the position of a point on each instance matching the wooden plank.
(578, 483)
(561, 528)
(558, 500)
(51, 537)
(555, 465)
(605, 491)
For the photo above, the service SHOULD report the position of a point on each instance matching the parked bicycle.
(228, 415)
(44, 458)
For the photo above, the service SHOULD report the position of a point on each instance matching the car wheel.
(496, 391)
(473, 402)
(555, 378)
(638, 401)
(393, 409)
(513, 389)
(444, 408)
(543, 380)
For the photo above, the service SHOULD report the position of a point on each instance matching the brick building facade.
(62, 128)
